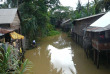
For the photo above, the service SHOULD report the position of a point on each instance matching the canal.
(61, 55)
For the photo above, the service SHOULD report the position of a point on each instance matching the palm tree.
(101, 5)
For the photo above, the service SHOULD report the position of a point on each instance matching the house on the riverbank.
(100, 36)
(10, 32)
(9, 22)
(80, 24)
(66, 25)
(100, 31)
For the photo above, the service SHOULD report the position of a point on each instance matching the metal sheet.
(103, 21)
(89, 17)
(7, 15)
(5, 31)
(102, 24)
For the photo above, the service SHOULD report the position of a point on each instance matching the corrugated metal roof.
(5, 31)
(63, 23)
(101, 24)
(7, 15)
(66, 21)
(89, 17)
(103, 21)
(98, 29)
(93, 29)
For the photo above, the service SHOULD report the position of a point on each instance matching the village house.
(66, 25)
(99, 31)
(9, 22)
(80, 24)
(10, 32)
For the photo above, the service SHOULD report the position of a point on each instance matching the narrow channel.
(61, 55)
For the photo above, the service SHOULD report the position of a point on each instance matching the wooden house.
(66, 25)
(80, 24)
(100, 31)
(100, 35)
(9, 22)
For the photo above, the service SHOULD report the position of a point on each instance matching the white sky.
(73, 3)
(1, 1)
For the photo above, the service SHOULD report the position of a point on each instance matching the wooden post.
(87, 52)
(107, 54)
(98, 58)
(94, 52)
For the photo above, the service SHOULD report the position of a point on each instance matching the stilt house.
(100, 36)
(66, 25)
(80, 24)
(100, 31)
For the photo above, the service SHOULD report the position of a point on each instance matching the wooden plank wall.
(16, 22)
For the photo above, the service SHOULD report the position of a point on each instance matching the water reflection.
(58, 55)
(62, 59)
(61, 43)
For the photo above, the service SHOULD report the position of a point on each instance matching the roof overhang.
(102, 24)
(5, 31)
(80, 19)
(97, 29)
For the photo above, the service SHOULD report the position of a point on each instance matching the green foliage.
(26, 66)
(60, 13)
(101, 5)
(10, 4)
(53, 32)
(50, 27)
(4, 62)
(83, 11)
(35, 17)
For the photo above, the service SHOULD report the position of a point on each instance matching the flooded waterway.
(61, 55)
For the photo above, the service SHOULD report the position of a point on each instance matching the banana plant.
(4, 62)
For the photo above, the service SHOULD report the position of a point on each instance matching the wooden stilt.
(87, 53)
(94, 56)
(107, 58)
(98, 56)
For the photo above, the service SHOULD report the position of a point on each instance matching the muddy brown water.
(61, 55)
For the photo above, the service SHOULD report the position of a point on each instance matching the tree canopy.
(60, 13)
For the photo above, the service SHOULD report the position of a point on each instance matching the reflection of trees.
(61, 42)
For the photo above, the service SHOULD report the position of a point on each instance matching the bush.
(50, 27)
(53, 32)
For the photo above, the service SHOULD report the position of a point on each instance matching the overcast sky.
(73, 3)
(1, 1)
